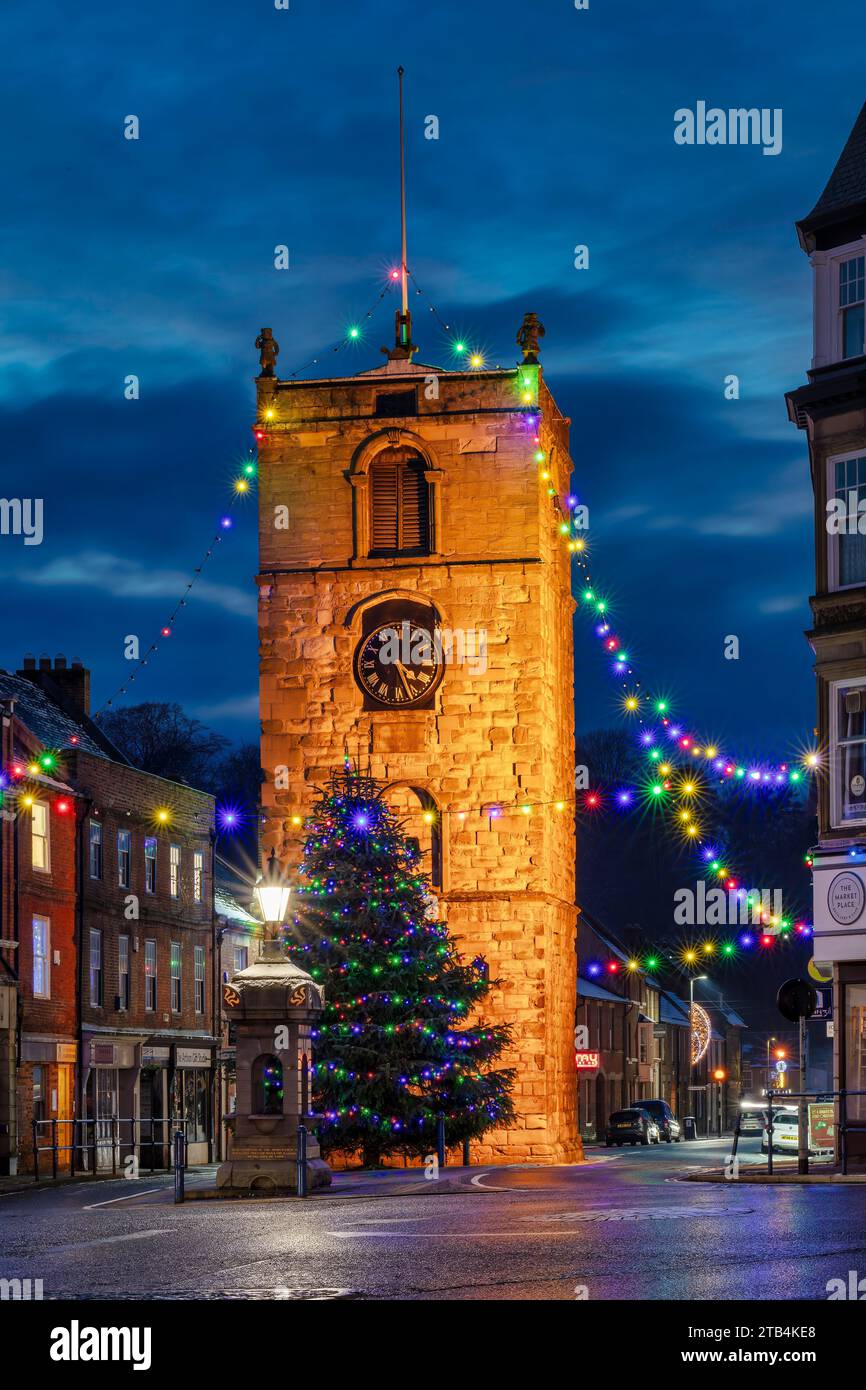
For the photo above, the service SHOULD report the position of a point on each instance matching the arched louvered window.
(399, 503)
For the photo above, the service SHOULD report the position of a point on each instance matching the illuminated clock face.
(400, 664)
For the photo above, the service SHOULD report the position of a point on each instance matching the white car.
(786, 1134)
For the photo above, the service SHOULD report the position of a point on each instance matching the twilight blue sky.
(261, 127)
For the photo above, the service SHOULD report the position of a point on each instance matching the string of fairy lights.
(681, 766)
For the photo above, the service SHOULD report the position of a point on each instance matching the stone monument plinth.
(273, 1005)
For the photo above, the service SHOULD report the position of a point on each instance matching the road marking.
(126, 1198)
(114, 1240)
(640, 1213)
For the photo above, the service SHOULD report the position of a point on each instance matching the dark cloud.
(259, 127)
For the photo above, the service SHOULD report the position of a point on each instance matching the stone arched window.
(398, 498)
(267, 1079)
(399, 503)
(421, 820)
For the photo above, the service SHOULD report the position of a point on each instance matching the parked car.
(752, 1121)
(632, 1126)
(786, 1134)
(669, 1127)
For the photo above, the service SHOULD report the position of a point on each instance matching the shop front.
(46, 1101)
(192, 1106)
(109, 1087)
(840, 943)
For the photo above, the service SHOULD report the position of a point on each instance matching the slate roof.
(52, 725)
(228, 907)
(591, 991)
(846, 186)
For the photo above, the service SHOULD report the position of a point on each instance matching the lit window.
(242, 958)
(174, 870)
(199, 979)
(40, 849)
(846, 547)
(123, 980)
(851, 285)
(150, 975)
(96, 968)
(150, 865)
(848, 752)
(124, 856)
(41, 959)
(176, 999)
(94, 838)
(198, 875)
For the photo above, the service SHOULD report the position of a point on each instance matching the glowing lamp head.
(272, 892)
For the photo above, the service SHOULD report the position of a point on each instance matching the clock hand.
(401, 671)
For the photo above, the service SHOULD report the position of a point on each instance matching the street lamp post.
(274, 1007)
(692, 980)
(272, 894)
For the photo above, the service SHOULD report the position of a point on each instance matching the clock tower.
(415, 612)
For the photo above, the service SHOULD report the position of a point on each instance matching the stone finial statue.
(528, 335)
(269, 351)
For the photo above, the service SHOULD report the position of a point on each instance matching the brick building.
(638, 1026)
(131, 923)
(411, 497)
(38, 932)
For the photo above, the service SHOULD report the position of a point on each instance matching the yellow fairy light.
(685, 815)
(633, 965)
(429, 817)
(711, 752)
(545, 475)
(269, 414)
(631, 702)
(28, 801)
(560, 806)
(708, 948)
(476, 360)
(664, 769)
(34, 769)
(688, 788)
(241, 485)
(162, 815)
(296, 820)
(527, 810)
(690, 957)
(696, 752)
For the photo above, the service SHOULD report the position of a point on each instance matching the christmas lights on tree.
(399, 1043)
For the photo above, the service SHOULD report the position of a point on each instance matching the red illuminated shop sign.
(586, 1061)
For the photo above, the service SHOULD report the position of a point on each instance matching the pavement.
(628, 1224)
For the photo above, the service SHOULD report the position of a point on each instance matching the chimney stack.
(68, 685)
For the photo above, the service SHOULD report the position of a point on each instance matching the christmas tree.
(395, 1049)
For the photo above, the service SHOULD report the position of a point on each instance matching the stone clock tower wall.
(492, 738)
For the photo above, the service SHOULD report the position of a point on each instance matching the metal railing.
(845, 1126)
(106, 1144)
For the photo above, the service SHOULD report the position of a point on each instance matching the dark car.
(632, 1126)
(668, 1124)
